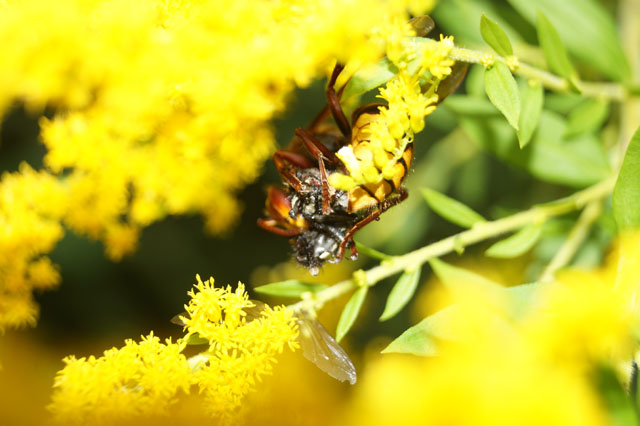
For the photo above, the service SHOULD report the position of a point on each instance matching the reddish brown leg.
(287, 162)
(315, 147)
(334, 103)
(270, 225)
(384, 206)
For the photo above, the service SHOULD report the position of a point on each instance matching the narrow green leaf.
(587, 28)
(195, 339)
(452, 210)
(502, 91)
(350, 312)
(553, 49)
(495, 36)
(626, 194)
(373, 253)
(532, 101)
(588, 116)
(401, 293)
(422, 338)
(289, 288)
(517, 244)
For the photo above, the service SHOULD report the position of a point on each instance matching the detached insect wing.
(317, 344)
(321, 349)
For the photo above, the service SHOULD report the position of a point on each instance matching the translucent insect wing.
(320, 348)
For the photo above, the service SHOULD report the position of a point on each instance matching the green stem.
(629, 24)
(551, 81)
(480, 232)
(576, 237)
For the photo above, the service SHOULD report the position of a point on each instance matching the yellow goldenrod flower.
(435, 57)
(138, 379)
(31, 206)
(241, 350)
(143, 379)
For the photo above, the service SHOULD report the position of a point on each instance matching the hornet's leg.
(271, 226)
(333, 100)
(384, 206)
(288, 163)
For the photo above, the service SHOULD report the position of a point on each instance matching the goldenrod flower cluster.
(31, 205)
(503, 362)
(386, 138)
(161, 107)
(238, 347)
(145, 379)
(137, 379)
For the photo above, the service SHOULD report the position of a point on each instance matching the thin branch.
(549, 80)
(480, 232)
(574, 240)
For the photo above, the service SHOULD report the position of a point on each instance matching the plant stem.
(629, 23)
(457, 242)
(551, 81)
(576, 237)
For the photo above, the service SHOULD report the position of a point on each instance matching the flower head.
(145, 378)
(137, 379)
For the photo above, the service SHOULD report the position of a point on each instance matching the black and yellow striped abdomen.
(371, 195)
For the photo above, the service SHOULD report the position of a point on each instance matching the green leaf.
(195, 339)
(577, 162)
(350, 312)
(401, 293)
(502, 90)
(422, 338)
(553, 49)
(626, 194)
(587, 28)
(588, 116)
(373, 253)
(289, 288)
(517, 244)
(495, 36)
(452, 210)
(532, 101)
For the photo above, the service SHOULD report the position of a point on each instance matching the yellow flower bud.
(340, 181)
